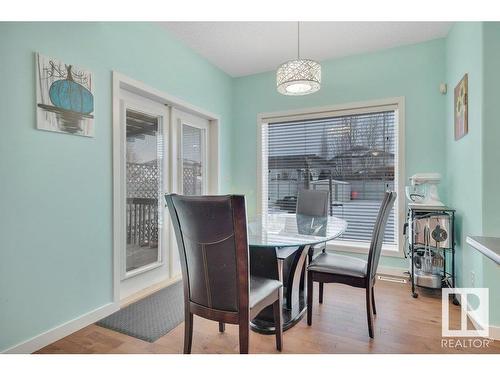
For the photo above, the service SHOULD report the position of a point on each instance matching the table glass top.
(277, 230)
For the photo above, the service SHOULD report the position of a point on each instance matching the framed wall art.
(64, 97)
(461, 108)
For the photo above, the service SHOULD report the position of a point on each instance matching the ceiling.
(243, 48)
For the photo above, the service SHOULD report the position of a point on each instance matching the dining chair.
(360, 273)
(313, 202)
(211, 233)
(309, 203)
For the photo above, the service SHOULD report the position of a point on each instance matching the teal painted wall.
(491, 159)
(472, 162)
(56, 189)
(414, 72)
(491, 129)
(464, 54)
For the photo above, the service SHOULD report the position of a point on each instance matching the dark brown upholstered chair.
(211, 234)
(309, 203)
(312, 202)
(335, 268)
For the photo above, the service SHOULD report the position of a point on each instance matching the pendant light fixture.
(299, 76)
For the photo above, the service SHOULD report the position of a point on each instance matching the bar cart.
(430, 231)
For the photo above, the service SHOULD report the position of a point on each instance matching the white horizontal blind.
(352, 156)
(192, 160)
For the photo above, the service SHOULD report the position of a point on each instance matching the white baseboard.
(65, 329)
(494, 331)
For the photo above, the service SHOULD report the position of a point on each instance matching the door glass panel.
(144, 158)
(192, 160)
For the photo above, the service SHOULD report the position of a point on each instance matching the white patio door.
(193, 150)
(145, 178)
(194, 174)
(161, 145)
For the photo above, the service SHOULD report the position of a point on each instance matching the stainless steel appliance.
(440, 222)
(431, 247)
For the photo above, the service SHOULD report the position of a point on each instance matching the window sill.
(362, 248)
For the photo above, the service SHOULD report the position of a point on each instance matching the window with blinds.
(192, 160)
(352, 156)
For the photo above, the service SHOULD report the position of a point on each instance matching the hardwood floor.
(402, 325)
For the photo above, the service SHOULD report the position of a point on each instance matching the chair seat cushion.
(339, 265)
(261, 288)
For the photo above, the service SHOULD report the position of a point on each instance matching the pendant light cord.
(298, 40)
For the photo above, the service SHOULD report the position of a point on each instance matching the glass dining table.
(279, 247)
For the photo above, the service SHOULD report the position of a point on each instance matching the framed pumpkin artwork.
(64, 97)
(461, 108)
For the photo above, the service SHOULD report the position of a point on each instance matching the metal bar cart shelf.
(431, 247)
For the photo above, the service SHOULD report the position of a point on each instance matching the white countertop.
(489, 246)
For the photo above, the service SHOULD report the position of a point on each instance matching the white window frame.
(122, 82)
(199, 123)
(398, 105)
(141, 104)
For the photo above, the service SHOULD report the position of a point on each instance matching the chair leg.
(222, 327)
(244, 328)
(278, 322)
(188, 332)
(320, 292)
(369, 311)
(309, 297)
(373, 302)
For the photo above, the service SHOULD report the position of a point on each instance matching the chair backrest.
(212, 239)
(313, 202)
(378, 233)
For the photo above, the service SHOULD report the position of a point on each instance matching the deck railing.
(142, 221)
(143, 181)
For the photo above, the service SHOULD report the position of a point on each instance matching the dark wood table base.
(291, 264)
(265, 325)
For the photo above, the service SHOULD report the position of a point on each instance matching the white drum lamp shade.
(298, 77)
